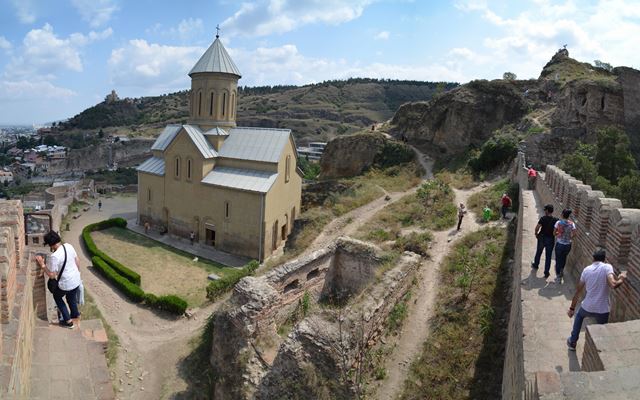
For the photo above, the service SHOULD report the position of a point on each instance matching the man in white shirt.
(69, 281)
(596, 279)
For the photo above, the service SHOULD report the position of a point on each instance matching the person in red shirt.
(506, 204)
(532, 177)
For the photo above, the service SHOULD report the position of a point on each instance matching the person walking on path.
(99, 205)
(486, 214)
(532, 174)
(506, 205)
(597, 279)
(544, 233)
(192, 237)
(461, 212)
(64, 255)
(564, 230)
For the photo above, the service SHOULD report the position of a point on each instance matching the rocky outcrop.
(351, 155)
(467, 115)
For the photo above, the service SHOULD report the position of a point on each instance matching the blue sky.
(59, 57)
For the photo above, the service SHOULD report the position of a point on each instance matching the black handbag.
(52, 283)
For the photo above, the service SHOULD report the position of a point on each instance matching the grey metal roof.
(154, 165)
(206, 148)
(216, 59)
(243, 179)
(216, 132)
(256, 144)
(166, 137)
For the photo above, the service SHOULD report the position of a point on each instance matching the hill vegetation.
(314, 112)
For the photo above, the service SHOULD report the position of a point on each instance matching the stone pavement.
(70, 363)
(197, 249)
(546, 325)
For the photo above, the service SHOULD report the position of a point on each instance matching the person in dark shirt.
(544, 234)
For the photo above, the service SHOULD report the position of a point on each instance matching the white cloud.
(25, 11)
(5, 44)
(384, 35)
(43, 53)
(95, 12)
(32, 90)
(186, 31)
(265, 17)
(526, 41)
(153, 67)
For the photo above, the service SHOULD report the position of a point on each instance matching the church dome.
(215, 59)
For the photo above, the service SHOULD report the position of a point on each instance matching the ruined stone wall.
(18, 273)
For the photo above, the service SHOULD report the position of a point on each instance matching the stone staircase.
(70, 363)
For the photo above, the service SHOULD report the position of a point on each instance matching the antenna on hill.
(218, 31)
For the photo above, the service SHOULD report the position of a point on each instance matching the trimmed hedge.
(130, 275)
(132, 291)
(122, 277)
(217, 288)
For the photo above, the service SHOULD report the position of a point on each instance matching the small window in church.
(148, 194)
(177, 169)
(188, 169)
(211, 105)
(224, 102)
(200, 103)
(233, 105)
(226, 209)
(287, 169)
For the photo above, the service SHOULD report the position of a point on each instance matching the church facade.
(236, 188)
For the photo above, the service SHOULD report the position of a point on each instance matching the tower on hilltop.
(214, 89)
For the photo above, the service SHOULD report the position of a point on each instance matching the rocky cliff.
(568, 103)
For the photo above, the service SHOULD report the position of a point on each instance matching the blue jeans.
(579, 317)
(546, 243)
(562, 251)
(72, 299)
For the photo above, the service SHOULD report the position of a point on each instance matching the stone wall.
(18, 276)
(251, 358)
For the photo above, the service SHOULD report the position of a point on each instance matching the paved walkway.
(546, 325)
(197, 249)
(70, 363)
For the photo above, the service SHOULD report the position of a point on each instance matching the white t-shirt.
(71, 275)
(595, 280)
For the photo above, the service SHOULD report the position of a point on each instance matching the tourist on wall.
(532, 174)
(597, 279)
(506, 204)
(62, 265)
(461, 212)
(545, 234)
(565, 230)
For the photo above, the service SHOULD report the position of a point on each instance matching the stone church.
(237, 188)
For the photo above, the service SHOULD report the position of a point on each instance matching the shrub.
(132, 291)
(393, 153)
(130, 275)
(415, 242)
(150, 299)
(217, 288)
(171, 303)
(493, 153)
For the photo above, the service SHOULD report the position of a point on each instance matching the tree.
(509, 76)
(613, 158)
(630, 190)
(581, 167)
(49, 140)
(603, 65)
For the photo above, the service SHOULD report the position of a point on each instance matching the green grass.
(491, 197)
(160, 266)
(463, 357)
(90, 311)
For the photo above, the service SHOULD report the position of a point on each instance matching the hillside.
(313, 112)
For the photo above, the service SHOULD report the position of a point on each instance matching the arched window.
(199, 103)
(233, 105)
(224, 102)
(177, 167)
(189, 168)
(227, 209)
(287, 169)
(211, 105)
(148, 194)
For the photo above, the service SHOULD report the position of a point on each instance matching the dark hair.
(566, 213)
(599, 255)
(548, 207)
(51, 238)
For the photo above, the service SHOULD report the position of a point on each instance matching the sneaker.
(558, 280)
(571, 346)
(67, 324)
(533, 266)
(546, 275)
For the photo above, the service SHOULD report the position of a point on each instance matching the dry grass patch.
(461, 179)
(163, 270)
(491, 196)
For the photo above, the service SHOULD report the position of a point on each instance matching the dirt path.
(416, 329)
(150, 346)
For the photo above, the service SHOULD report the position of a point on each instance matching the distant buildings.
(313, 151)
